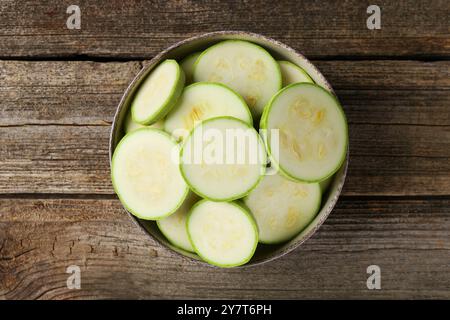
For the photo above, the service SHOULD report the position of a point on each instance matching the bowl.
(279, 51)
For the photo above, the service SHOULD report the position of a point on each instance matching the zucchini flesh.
(131, 126)
(173, 227)
(282, 208)
(243, 66)
(201, 101)
(158, 93)
(187, 64)
(223, 159)
(146, 179)
(291, 73)
(222, 233)
(312, 132)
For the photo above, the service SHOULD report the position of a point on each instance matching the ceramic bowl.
(279, 51)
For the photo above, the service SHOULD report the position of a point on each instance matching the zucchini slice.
(144, 175)
(187, 64)
(222, 233)
(291, 73)
(282, 208)
(243, 66)
(131, 126)
(324, 184)
(223, 159)
(173, 227)
(312, 132)
(201, 101)
(158, 93)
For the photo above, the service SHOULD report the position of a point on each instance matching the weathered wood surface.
(139, 29)
(55, 121)
(57, 206)
(408, 238)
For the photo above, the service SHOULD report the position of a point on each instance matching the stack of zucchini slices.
(221, 208)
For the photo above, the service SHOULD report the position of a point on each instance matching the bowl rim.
(339, 176)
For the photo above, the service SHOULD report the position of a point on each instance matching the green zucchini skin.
(276, 163)
(291, 73)
(168, 103)
(131, 126)
(245, 214)
(117, 184)
(187, 64)
(202, 193)
(282, 208)
(168, 226)
(205, 107)
(251, 68)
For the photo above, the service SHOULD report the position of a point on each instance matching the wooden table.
(58, 92)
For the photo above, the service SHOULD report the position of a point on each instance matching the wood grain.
(408, 238)
(87, 93)
(55, 117)
(386, 74)
(57, 206)
(139, 29)
(62, 93)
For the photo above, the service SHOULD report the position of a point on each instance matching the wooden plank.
(385, 159)
(396, 107)
(386, 74)
(142, 28)
(57, 92)
(56, 159)
(408, 238)
(87, 93)
(55, 142)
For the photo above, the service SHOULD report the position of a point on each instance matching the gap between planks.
(113, 196)
(142, 59)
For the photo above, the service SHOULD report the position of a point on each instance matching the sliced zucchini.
(201, 101)
(144, 175)
(173, 227)
(282, 208)
(187, 64)
(222, 233)
(223, 159)
(325, 184)
(243, 66)
(131, 126)
(158, 93)
(291, 73)
(312, 132)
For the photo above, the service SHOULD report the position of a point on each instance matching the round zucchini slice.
(173, 227)
(223, 159)
(187, 64)
(291, 73)
(144, 175)
(131, 126)
(222, 233)
(282, 208)
(244, 67)
(158, 93)
(201, 101)
(311, 129)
